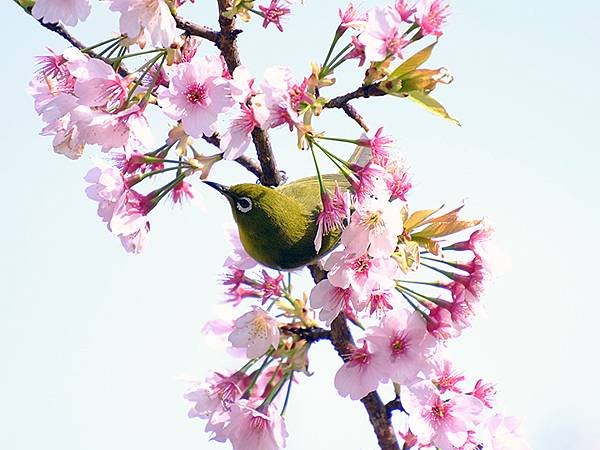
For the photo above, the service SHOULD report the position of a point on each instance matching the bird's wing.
(306, 190)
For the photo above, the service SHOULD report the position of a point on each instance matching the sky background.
(94, 342)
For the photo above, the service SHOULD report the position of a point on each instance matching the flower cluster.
(408, 280)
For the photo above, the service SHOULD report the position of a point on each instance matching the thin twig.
(372, 90)
(354, 115)
(271, 176)
(197, 30)
(310, 334)
(246, 162)
(62, 31)
(342, 341)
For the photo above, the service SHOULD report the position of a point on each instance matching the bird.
(277, 226)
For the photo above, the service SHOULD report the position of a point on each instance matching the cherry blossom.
(69, 12)
(273, 14)
(444, 423)
(361, 373)
(402, 337)
(253, 427)
(504, 433)
(146, 20)
(197, 94)
(374, 228)
(431, 16)
(256, 331)
(331, 300)
(382, 36)
(336, 210)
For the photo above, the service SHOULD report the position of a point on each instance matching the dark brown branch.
(310, 334)
(371, 90)
(342, 341)
(227, 44)
(393, 405)
(250, 165)
(194, 29)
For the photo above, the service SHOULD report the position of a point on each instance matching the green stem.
(455, 265)
(262, 367)
(340, 62)
(336, 57)
(154, 79)
(139, 80)
(287, 394)
(442, 271)
(274, 391)
(145, 52)
(109, 50)
(248, 365)
(335, 40)
(167, 188)
(349, 141)
(151, 174)
(312, 151)
(92, 47)
(331, 155)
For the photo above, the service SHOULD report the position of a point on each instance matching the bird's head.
(256, 208)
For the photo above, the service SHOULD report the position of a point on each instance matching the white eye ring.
(244, 204)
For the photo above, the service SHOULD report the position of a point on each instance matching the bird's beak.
(218, 187)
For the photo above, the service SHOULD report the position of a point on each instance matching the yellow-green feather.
(280, 230)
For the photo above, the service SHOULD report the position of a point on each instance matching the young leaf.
(436, 230)
(412, 63)
(418, 217)
(430, 245)
(431, 105)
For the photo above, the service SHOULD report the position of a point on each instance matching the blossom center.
(361, 265)
(259, 423)
(399, 345)
(196, 93)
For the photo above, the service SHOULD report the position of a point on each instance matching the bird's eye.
(244, 204)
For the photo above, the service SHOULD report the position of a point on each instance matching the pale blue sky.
(92, 340)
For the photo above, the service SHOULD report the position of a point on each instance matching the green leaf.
(431, 104)
(412, 63)
(407, 256)
(448, 217)
(418, 217)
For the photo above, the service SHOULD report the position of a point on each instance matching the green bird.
(277, 226)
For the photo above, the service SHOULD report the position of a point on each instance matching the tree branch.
(194, 29)
(310, 334)
(62, 31)
(246, 162)
(342, 341)
(372, 90)
(227, 44)
(354, 115)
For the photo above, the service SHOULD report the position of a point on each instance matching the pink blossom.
(361, 373)
(196, 95)
(219, 392)
(184, 192)
(270, 286)
(238, 258)
(369, 181)
(257, 331)
(127, 129)
(382, 36)
(146, 20)
(374, 228)
(404, 10)
(68, 137)
(336, 210)
(443, 423)
(358, 51)
(361, 272)
(273, 14)
(484, 392)
(332, 300)
(283, 96)
(403, 339)
(253, 427)
(445, 378)
(351, 18)
(475, 243)
(130, 214)
(431, 16)
(504, 433)
(440, 324)
(69, 12)
(380, 146)
(97, 84)
(379, 301)
(238, 134)
(242, 84)
(398, 182)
